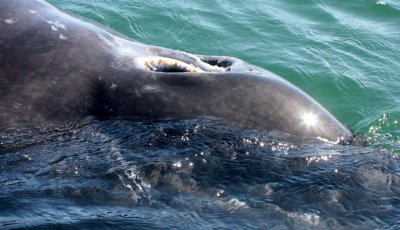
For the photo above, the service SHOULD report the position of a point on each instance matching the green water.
(345, 54)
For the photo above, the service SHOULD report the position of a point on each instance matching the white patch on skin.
(63, 37)
(149, 89)
(57, 25)
(9, 21)
(114, 86)
(105, 39)
(32, 11)
(60, 25)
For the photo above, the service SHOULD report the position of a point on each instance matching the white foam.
(233, 204)
(381, 3)
(32, 11)
(328, 141)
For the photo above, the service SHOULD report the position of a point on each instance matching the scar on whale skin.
(63, 37)
(56, 25)
(9, 21)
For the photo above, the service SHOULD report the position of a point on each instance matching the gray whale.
(56, 67)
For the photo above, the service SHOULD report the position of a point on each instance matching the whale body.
(56, 67)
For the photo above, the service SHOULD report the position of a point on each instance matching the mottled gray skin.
(54, 67)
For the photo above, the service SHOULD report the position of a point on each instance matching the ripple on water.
(107, 173)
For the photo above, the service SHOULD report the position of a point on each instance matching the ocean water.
(196, 174)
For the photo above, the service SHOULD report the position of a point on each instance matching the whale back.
(56, 67)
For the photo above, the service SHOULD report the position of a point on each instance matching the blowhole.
(223, 63)
(167, 65)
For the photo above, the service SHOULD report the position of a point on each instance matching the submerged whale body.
(55, 67)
